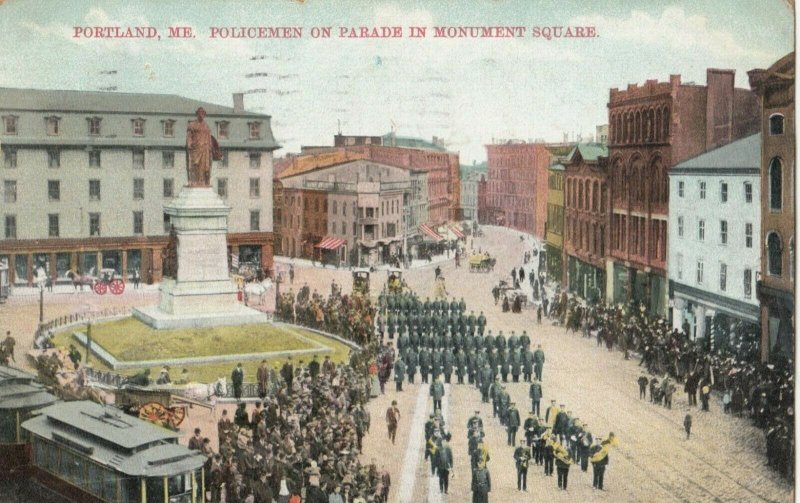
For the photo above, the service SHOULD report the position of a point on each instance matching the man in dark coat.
(481, 485)
(237, 378)
(538, 362)
(535, 394)
(522, 456)
(437, 393)
(287, 372)
(399, 373)
(512, 423)
(444, 463)
(599, 462)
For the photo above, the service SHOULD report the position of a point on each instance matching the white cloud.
(673, 28)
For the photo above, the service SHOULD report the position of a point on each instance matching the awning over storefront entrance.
(430, 232)
(330, 243)
(455, 230)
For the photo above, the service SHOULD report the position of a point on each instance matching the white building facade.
(713, 247)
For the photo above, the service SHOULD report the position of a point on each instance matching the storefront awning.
(455, 230)
(330, 243)
(430, 232)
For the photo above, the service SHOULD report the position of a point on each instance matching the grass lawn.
(131, 340)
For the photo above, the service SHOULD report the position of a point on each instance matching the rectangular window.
(748, 192)
(699, 272)
(679, 260)
(344, 228)
(723, 277)
(52, 126)
(255, 130)
(723, 192)
(11, 227)
(255, 220)
(748, 283)
(680, 189)
(52, 225)
(748, 235)
(222, 130)
(138, 188)
(224, 162)
(723, 232)
(169, 128)
(169, 187)
(701, 230)
(94, 126)
(9, 191)
(255, 160)
(335, 207)
(138, 127)
(94, 158)
(168, 159)
(167, 224)
(10, 122)
(222, 187)
(54, 190)
(255, 187)
(702, 190)
(680, 227)
(9, 157)
(53, 158)
(138, 159)
(138, 222)
(354, 229)
(94, 190)
(94, 224)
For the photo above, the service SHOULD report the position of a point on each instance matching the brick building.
(86, 176)
(775, 88)
(516, 187)
(651, 128)
(586, 220)
(554, 236)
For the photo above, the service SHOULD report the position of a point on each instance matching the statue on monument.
(201, 149)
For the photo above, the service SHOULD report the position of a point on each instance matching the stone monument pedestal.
(202, 294)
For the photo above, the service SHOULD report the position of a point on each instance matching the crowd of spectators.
(747, 387)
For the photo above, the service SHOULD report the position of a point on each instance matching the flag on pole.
(234, 261)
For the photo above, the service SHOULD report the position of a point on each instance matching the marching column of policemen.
(436, 339)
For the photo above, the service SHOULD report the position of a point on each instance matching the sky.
(470, 91)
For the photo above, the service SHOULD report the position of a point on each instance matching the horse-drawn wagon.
(361, 281)
(481, 263)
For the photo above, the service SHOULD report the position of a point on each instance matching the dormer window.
(10, 123)
(93, 124)
(138, 127)
(255, 130)
(169, 128)
(222, 130)
(52, 125)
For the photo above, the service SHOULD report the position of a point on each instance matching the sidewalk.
(28, 293)
(305, 263)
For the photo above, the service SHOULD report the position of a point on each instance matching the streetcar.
(95, 453)
(20, 397)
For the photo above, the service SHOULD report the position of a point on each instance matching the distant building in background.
(86, 176)
(586, 198)
(776, 87)
(601, 134)
(554, 236)
(714, 234)
(353, 212)
(470, 179)
(653, 127)
(516, 186)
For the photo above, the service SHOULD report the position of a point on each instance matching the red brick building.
(653, 127)
(586, 221)
(516, 187)
(775, 88)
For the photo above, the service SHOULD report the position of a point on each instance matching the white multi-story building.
(713, 235)
(85, 177)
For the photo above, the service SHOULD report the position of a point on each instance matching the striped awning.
(457, 231)
(330, 243)
(430, 232)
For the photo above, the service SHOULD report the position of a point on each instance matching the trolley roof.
(120, 442)
(19, 390)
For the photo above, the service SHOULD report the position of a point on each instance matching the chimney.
(238, 103)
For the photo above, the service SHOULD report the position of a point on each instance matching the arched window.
(588, 191)
(774, 254)
(776, 124)
(595, 195)
(658, 125)
(637, 128)
(775, 184)
(665, 127)
(580, 195)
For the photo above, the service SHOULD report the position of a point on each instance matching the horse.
(258, 290)
(80, 280)
(207, 392)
